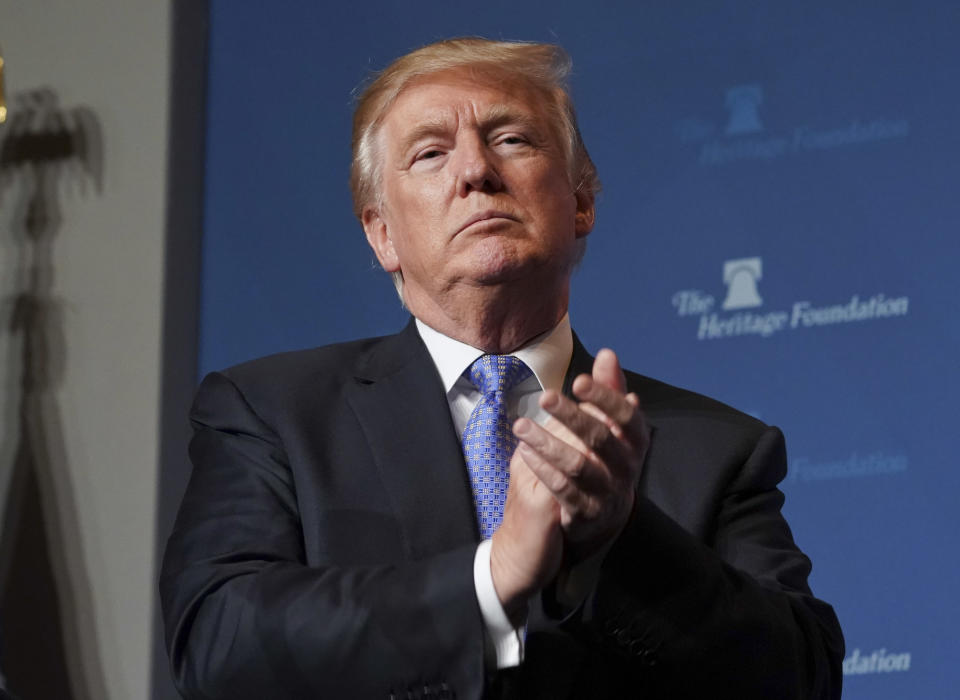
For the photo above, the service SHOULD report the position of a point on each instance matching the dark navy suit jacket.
(325, 543)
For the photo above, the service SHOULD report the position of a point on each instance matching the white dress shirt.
(548, 356)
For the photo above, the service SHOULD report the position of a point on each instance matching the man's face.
(474, 188)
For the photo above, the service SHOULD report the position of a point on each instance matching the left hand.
(589, 454)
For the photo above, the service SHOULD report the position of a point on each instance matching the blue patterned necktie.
(488, 440)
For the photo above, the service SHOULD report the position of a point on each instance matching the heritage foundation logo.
(743, 102)
(879, 661)
(856, 465)
(745, 316)
(745, 138)
(741, 277)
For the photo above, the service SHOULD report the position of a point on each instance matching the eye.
(512, 140)
(429, 154)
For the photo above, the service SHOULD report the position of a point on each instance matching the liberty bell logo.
(741, 278)
(743, 102)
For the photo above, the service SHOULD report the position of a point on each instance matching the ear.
(378, 236)
(583, 223)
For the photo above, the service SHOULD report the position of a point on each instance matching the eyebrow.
(501, 114)
(498, 115)
(430, 127)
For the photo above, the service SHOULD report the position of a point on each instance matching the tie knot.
(492, 373)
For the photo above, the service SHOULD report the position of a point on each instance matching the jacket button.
(611, 625)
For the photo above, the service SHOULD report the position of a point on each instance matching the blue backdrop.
(778, 228)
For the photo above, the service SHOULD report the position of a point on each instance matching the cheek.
(416, 226)
(554, 197)
(546, 177)
(416, 206)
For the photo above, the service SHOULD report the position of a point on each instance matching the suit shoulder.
(704, 429)
(668, 401)
(277, 387)
(287, 377)
(337, 358)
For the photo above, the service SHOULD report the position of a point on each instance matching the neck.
(493, 319)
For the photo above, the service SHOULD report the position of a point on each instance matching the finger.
(564, 491)
(607, 371)
(560, 466)
(593, 431)
(599, 415)
(520, 474)
(623, 414)
(611, 402)
(586, 512)
(525, 484)
(582, 430)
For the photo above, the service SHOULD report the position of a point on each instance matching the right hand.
(527, 548)
(589, 454)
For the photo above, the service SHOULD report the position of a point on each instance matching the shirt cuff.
(506, 639)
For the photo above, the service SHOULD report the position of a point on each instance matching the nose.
(477, 168)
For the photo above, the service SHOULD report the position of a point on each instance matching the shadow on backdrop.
(46, 610)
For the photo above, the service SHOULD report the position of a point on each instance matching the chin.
(531, 272)
(498, 260)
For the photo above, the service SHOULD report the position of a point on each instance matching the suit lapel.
(399, 400)
(581, 362)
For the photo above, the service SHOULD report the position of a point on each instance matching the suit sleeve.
(245, 617)
(728, 618)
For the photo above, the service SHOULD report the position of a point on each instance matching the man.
(334, 538)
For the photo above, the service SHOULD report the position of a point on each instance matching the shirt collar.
(548, 355)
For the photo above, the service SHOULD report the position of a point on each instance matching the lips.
(486, 215)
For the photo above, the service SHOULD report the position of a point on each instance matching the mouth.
(486, 215)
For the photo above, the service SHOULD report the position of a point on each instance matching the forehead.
(459, 93)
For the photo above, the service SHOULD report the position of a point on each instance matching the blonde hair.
(544, 66)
